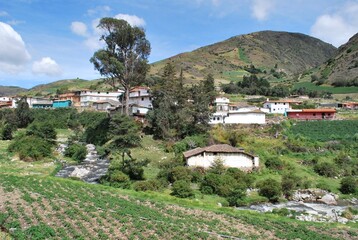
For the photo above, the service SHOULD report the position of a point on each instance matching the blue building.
(61, 103)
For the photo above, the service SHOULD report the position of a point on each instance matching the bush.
(349, 185)
(31, 148)
(274, 163)
(182, 189)
(289, 183)
(76, 151)
(197, 174)
(42, 130)
(327, 169)
(271, 189)
(116, 179)
(149, 185)
(179, 173)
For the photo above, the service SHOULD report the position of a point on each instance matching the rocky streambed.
(315, 205)
(90, 170)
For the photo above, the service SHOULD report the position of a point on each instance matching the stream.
(90, 170)
(317, 212)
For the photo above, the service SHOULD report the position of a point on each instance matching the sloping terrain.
(11, 90)
(342, 69)
(48, 208)
(291, 53)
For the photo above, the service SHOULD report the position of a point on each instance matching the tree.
(124, 58)
(23, 113)
(182, 189)
(349, 185)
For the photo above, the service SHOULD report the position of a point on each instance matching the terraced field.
(33, 207)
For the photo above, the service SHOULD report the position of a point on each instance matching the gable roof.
(218, 148)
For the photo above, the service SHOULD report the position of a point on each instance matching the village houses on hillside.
(226, 113)
(140, 101)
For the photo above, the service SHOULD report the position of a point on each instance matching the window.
(314, 114)
(215, 153)
(142, 98)
(275, 103)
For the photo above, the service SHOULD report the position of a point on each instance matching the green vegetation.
(325, 88)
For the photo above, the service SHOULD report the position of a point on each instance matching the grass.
(334, 90)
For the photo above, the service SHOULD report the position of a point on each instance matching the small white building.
(87, 97)
(140, 96)
(245, 117)
(231, 157)
(105, 105)
(279, 106)
(221, 104)
(227, 113)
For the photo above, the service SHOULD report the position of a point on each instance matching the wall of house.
(61, 104)
(91, 96)
(139, 92)
(144, 101)
(310, 116)
(245, 118)
(139, 110)
(277, 107)
(238, 160)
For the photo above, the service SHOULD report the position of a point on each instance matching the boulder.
(328, 199)
(79, 172)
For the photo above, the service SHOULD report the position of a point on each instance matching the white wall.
(238, 160)
(245, 118)
(144, 101)
(277, 107)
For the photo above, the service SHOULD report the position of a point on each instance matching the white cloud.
(46, 66)
(336, 28)
(262, 8)
(79, 28)
(133, 20)
(13, 53)
(15, 22)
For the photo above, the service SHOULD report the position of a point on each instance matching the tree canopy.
(123, 60)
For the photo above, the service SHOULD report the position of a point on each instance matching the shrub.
(182, 189)
(241, 177)
(42, 130)
(327, 169)
(6, 132)
(76, 151)
(31, 148)
(289, 183)
(149, 185)
(217, 166)
(197, 174)
(179, 173)
(235, 196)
(116, 179)
(349, 185)
(271, 189)
(274, 163)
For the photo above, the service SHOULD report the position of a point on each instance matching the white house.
(105, 105)
(231, 157)
(87, 97)
(140, 100)
(227, 113)
(245, 117)
(222, 104)
(279, 106)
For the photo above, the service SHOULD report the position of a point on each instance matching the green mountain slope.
(291, 53)
(11, 90)
(342, 68)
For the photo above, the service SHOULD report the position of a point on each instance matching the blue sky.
(46, 40)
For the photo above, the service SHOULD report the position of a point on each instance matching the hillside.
(342, 68)
(62, 86)
(10, 90)
(291, 53)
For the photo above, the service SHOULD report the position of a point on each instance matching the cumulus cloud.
(336, 28)
(79, 28)
(261, 9)
(133, 20)
(13, 53)
(46, 66)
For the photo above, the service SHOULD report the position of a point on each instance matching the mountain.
(289, 53)
(342, 68)
(11, 90)
(65, 85)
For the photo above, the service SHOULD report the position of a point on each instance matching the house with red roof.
(231, 157)
(312, 114)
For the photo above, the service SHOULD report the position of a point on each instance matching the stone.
(79, 172)
(328, 199)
